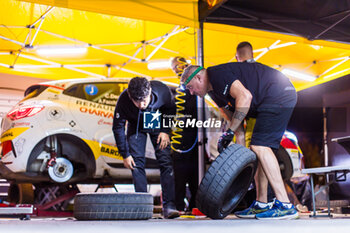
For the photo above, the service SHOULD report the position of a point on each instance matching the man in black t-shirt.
(256, 91)
(244, 52)
(264, 193)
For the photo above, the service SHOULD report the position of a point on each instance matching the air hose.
(178, 132)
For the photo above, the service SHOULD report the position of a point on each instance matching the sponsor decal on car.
(107, 101)
(111, 96)
(19, 145)
(103, 122)
(20, 124)
(91, 89)
(54, 97)
(95, 105)
(96, 112)
(53, 91)
(55, 114)
(110, 151)
(100, 149)
(72, 123)
(12, 133)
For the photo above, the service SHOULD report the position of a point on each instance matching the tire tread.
(219, 176)
(116, 206)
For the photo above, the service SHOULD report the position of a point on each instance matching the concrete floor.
(339, 223)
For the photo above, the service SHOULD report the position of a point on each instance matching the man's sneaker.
(170, 213)
(279, 211)
(253, 209)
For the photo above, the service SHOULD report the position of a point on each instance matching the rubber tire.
(333, 203)
(285, 163)
(22, 193)
(226, 181)
(113, 206)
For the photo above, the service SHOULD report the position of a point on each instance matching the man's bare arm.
(227, 114)
(243, 99)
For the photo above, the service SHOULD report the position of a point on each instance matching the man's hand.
(129, 162)
(163, 140)
(225, 139)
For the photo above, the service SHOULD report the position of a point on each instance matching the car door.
(92, 106)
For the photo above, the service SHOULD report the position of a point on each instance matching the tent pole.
(326, 158)
(332, 26)
(200, 108)
(325, 134)
(13, 41)
(41, 19)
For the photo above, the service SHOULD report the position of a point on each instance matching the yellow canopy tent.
(116, 46)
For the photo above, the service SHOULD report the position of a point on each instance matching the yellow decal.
(294, 151)
(12, 133)
(53, 91)
(122, 87)
(103, 149)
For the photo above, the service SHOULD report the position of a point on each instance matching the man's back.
(266, 84)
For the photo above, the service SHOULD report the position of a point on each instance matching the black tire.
(226, 181)
(285, 163)
(116, 206)
(332, 203)
(22, 193)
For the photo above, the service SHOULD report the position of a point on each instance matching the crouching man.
(143, 96)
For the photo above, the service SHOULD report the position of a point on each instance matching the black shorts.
(271, 123)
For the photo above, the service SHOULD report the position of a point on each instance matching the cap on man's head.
(139, 88)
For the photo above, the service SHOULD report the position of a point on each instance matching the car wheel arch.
(69, 146)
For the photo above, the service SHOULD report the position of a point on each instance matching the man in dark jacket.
(140, 100)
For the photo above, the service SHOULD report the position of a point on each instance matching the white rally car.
(62, 132)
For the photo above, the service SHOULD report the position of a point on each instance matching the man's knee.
(164, 157)
(139, 161)
(257, 148)
(165, 162)
(261, 151)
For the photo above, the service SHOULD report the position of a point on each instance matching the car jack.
(25, 211)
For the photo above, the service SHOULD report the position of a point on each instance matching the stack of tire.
(222, 188)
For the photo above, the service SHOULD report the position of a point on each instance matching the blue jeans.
(137, 147)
